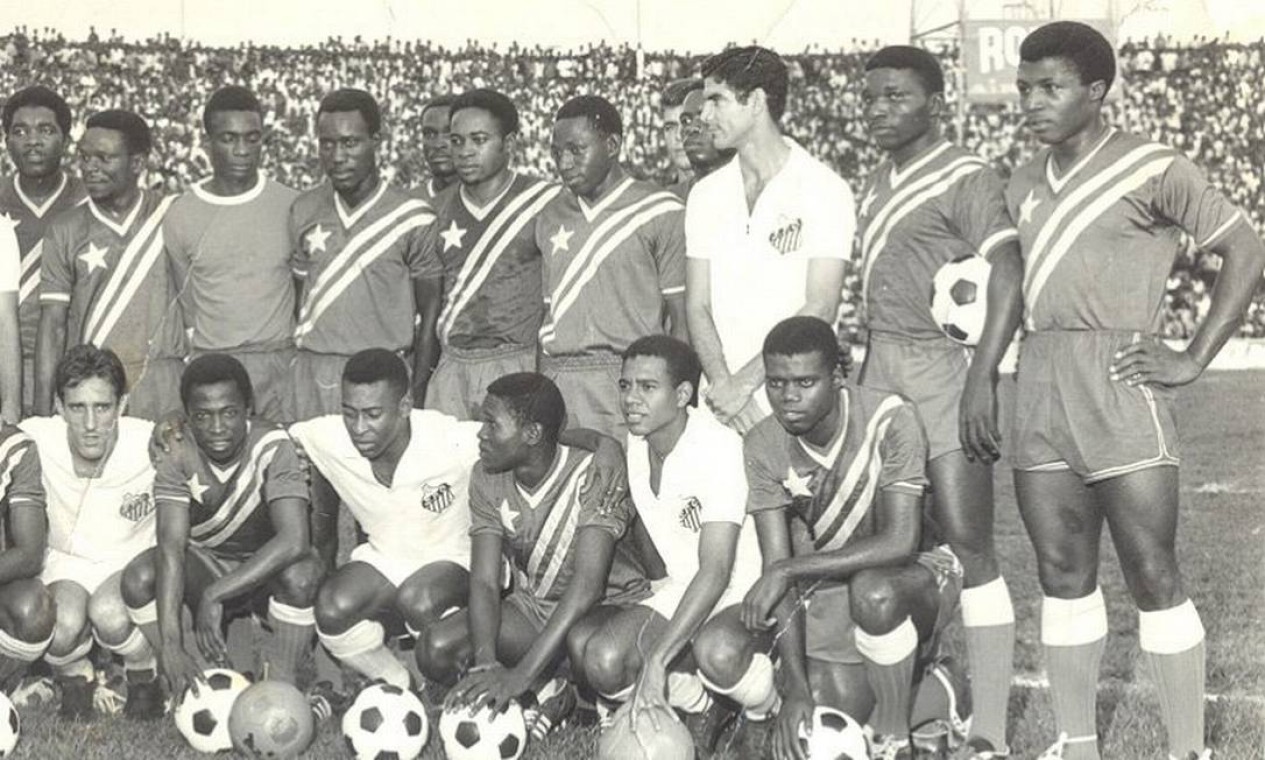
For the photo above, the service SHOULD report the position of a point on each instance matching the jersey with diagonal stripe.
(115, 279)
(881, 447)
(228, 504)
(20, 477)
(1099, 239)
(492, 279)
(608, 267)
(539, 528)
(32, 220)
(358, 269)
(945, 204)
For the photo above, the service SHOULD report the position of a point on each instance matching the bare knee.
(1155, 582)
(875, 602)
(69, 629)
(108, 616)
(32, 615)
(298, 584)
(337, 608)
(605, 665)
(439, 653)
(722, 654)
(1065, 576)
(422, 604)
(139, 580)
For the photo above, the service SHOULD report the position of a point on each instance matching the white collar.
(480, 212)
(537, 494)
(591, 212)
(899, 175)
(120, 229)
(827, 459)
(39, 209)
(1058, 183)
(349, 218)
(200, 190)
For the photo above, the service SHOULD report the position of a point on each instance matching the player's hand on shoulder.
(169, 432)
(977, 419)
(607, 478)
(796, 711)
(1152, 362)
(727, 398)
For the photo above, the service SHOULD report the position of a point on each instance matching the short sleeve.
(723, 495)
(1188, 200)
(171, 478)
(57, 276)
(420, 252)
(485, 516)
(10, 258)
(833, 225)
(764, 481)
(300, 262)
(285, 477)
(904, 452)
(669, 252)
(26, 485)
(979, 214)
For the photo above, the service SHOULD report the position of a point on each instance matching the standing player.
(767, 233)
(696, 140)
(98, 481)
(228, 246)
(680, 171)
(527, 505)
(485, 235)
(36, 124)
(357, 248)
(233, 534)
(614, 268)
(930, 203)
(436, 150)
(1101, 216)
(102, 276)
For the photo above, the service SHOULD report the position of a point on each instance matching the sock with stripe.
(292, 631)
(989, 629)
(73, 664)
(363, 648)
(754, 691)
(889, 664)
(136, 652)
(1074, 635)
(146, 619)
(16, 655)
(1172, 642)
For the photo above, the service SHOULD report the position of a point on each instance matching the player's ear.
(684, 393)
(935, 104)
(1098, 91)
(533, 433)
(614, 143)
(58, 408)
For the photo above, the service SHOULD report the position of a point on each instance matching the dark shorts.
(459, 383)
(316, 385)
(590, 388)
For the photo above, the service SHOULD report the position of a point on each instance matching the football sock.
(136, 652)
(620, 696)
(754, 690)
(686, 692)
(363, 648)
(146, 619)
(73, 664)
(1074, 634)
(292, 632)
(989, 622)
(1172, 644)
(889, 664)
(16, 655)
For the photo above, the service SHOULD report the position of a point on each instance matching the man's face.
(435, 147)
(582, 155)
(898, 111)
(803, 390)
(1055, 104)
(727, 117)
(503, 443)
(348, 150)
(700, 148)
(107, 168)
(218, 417)
(672, 138)
(235, 144)
(479, 150)
(374, 415)
(91, 411)
(649, 399)
(36, 142)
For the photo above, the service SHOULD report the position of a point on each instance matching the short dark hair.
(230, 98)
(374, 365)
(674, 94)
(209, 369)
(439, 101)
(38, 96)
(84, 362)
(1080, 44)
(135, 130)
(750, 68)
(683, 363)
(804, 335)
(601, 114)
(532, 397)
(347, 99)
(915, 59)
(503, 110)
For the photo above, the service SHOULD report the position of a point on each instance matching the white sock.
(363, 648)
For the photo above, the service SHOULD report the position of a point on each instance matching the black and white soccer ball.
(959, 298)
(202, 718)
(483, 734)
(833, 735)
(10, 726)
(384, 722)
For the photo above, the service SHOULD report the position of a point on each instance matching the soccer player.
(36, 124)
(357, 248)
(685, 477)
(565, 549)
(102, 276)
(228, 245)
(614, 268)
(930, 203)
(767, 234)
(98, 480)
(680, 171)
(485, 235)
(1101, 215)
(436, 150)
(697, 141)
(233, 534)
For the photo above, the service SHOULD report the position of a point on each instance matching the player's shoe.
(891, 747)
(548, 707)
(326, 701)
(144, 696)
(978, 748)
(1055, 750)
(77, 698)
(707, 726)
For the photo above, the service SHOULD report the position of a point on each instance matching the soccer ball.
(271, 719)
(385, 721)
(203, 717)
(833, 735)
(624, 741)
(10, 726)
(483, 734)
(959, 298)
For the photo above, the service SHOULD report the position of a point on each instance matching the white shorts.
(60, 566)
(666, 594)
(398, 568)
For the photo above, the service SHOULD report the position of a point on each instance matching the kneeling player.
(232, 531)
(849, 463)
(527, 502)
(98, 478)
(685, 476)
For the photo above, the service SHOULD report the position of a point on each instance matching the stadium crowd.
(1199, 98)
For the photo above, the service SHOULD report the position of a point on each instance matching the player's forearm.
(169, 594)
(576, 602)
(1005, 309)
(10, 360)
(324, 519)
(1243, 258)
(698, 602)
(706, 340)
(25, 558)
(791, 647)
(49, 346)
(485, 619)
(881, 550)
(425, 351)
(274, 556)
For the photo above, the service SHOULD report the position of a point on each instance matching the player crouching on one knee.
(563, 542)
(233, 533)
(835, 483)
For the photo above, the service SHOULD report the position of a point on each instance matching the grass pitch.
(1222, 551)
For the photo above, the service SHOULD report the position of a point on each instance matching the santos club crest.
(436, 498)
(690, 517)
(136, 506)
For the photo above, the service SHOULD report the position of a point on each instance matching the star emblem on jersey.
(316, 239)
(94, 257)
(797, 485)
(508, 516)
(1028, 206)
(196, 489)
(561, 239)
(691, 515)
(452, 236)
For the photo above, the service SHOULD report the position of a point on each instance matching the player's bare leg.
(345, 607)
(116, 633)
(1141, 510)
(1064, 522)
(841, 686)
(27, 618)
(68, 653)
(962, 492)
(435, 590)
(445, 652)
(736, 663)
(615, 653)
(292, 616)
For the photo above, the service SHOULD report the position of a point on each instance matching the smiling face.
(218, 416)
(479, 150)
(803, 392)
(235, 144)
(91, 410)
(1056, 105)
(35, 141)
(899, 112)
(375, 415)
(108, 170)
(648, 398)
(583, 155)
(348, 150)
